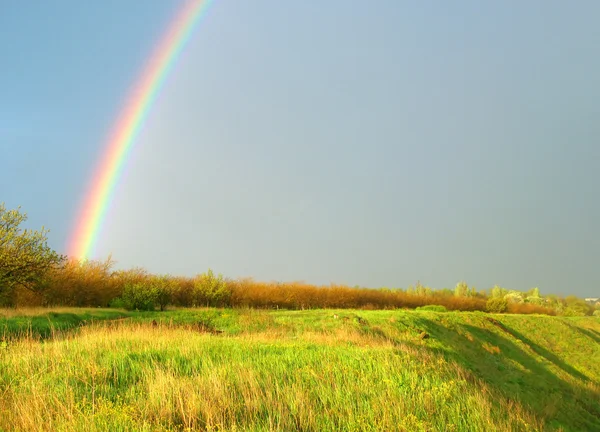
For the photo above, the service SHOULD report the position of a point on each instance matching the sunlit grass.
(306, 370)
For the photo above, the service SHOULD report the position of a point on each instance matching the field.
(316, 370)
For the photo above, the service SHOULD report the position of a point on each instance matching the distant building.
(593, 300)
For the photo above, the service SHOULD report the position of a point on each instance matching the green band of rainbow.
(127, 128)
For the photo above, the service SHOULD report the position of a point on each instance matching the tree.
(461, 289)
(498, 292)
(533, 296)
(514, 296)
(496, 305)
(163, 287)
(25, 256)
(211, 290)
(140, 296)
(577, 307)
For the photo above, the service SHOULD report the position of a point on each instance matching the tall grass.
(312, 370)
(145, 378)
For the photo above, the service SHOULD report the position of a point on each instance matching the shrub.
(535, 300)
(514, 297)
(81, 283)
(464, 303)
(529, 308)
(117, 303)
(596, 313)
(211, 290)
(183, 291)
(574, 311)
(498, 292)
(139, 296)
(577, 307)
(461, 289)
(163, 288)
(496, 305)
(433, 308)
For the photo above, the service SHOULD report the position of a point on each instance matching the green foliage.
(535, 300)
(514, 296)
(117, 303)
(496, 305)
(574, 311)
(461, 289)
(597, 313)
(211, 290)
(144, 292)
(139, 296)
(533, 297)
(577, 307)
(498, 292)
(163, 287)
(555, 303)
(422, 291)
(433, 308)
(25, 257)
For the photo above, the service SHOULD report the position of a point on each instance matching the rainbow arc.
(128, 126)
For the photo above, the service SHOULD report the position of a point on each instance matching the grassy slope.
(306, 370)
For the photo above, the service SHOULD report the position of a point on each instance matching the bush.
(139, 296)
(596, 313)
(529, 308)
(81, 283)
(211, 290)
(574, 311)
(515, 297)
(577, 307)
(496, 305)
(163, 288)
(498, 292)
(433, 308)
(461, 289)
(117, 303)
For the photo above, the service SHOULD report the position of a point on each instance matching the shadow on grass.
(592, 334)
(503, 362)
(597, 333)
(539, 350)
(53, 323)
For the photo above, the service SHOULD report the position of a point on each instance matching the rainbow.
(127, 127)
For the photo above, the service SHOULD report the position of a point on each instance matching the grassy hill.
(317, 370)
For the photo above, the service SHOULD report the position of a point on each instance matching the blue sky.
(377, 144)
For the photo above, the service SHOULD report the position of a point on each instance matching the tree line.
(32, 274)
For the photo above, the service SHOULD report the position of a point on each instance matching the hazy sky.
(374, 143)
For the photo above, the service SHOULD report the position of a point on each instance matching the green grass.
(318, 370)
(43, 323)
